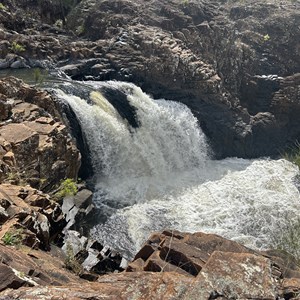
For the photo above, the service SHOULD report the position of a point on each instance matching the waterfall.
(153, 171)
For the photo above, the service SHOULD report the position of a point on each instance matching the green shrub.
(39, 75)
(67, 187)
(293, 154)
(2, 6)
(17, 48)
(12, 237)
(287, 237)
(80, 30)
(185, 2)
(266, 37)
(71, 263)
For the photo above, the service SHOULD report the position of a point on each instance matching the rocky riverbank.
(235, 64)
(171, 264)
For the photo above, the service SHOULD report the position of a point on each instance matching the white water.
(160, 176)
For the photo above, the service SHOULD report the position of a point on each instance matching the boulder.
(239, 276)
(188, 253)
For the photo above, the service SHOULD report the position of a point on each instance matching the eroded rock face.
(227, 61)
(222, 268)
(35, 147)
(196, 267)
(31, 214)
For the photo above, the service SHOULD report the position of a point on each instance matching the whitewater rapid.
(160, 175)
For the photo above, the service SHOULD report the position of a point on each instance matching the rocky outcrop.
(35, 145)
(224, 60)
(30, 267)
(28, 217)
(227, 61)
(171, 265)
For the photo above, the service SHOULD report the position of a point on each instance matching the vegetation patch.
(293, 154)
(67, 187)
(17, 48)
(2, 6)
(13, 237)
(287, 238)
(71, 263)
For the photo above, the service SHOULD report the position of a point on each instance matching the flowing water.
(160, 175)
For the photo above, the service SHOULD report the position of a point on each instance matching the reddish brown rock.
(32, 212)
(9, 279)
(240, 275)
(40, 268)
(186, 252)
(225, 275)
(291, 288)
(138, 286)
(35, 149)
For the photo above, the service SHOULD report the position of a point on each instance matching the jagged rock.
(9, 279)
(38, 267)
(3, 215)
(93, 257)
(188, 253)
(225, 274)
(215, 57)
(291, 288)
(227, 61)
(36, 148)
(38, 217)
(115, 286)
(77, 208)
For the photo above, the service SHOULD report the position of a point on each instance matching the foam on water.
(159, 176)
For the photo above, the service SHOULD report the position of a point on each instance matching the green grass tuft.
(13, 237)
(67, 187)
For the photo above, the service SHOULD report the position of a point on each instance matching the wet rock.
(218, 58)
(74, 241)
(92, 256)
(208, 55)
(77, 208)
(83, 199)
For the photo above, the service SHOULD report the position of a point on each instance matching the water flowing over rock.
(209, 56)
(233, 63)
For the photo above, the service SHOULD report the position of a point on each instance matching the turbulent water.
(160, 175)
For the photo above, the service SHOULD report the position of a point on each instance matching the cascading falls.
(159, 175)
